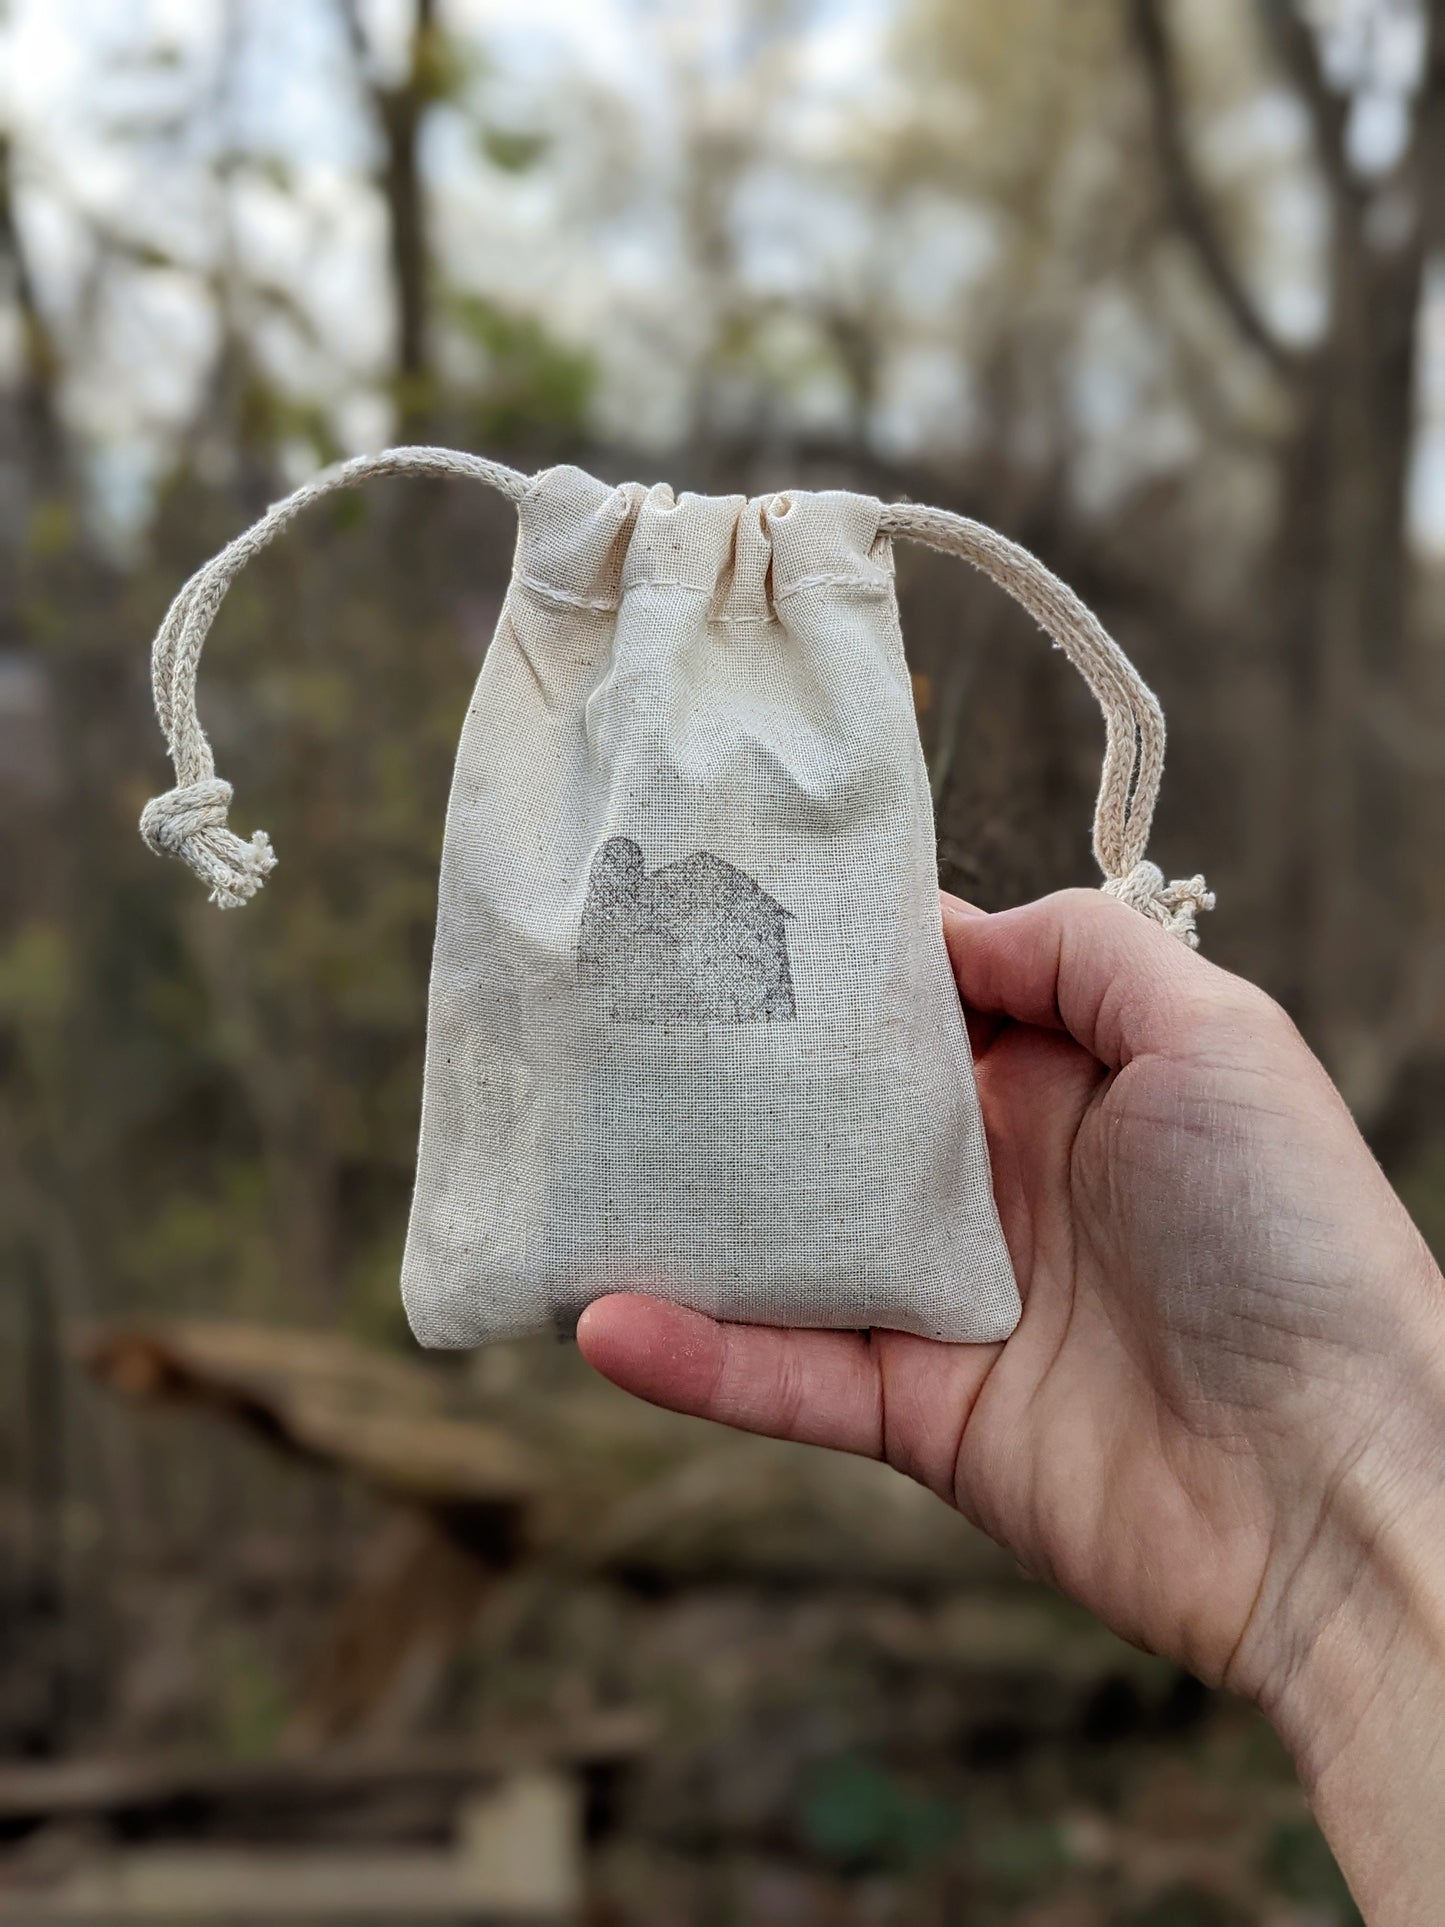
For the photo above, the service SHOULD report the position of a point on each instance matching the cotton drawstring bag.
(692, 1027)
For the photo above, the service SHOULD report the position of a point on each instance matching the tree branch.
(37, 404)
(1298, 53)
(356, 37)
(398, 110)
(1428, 146)
(1187, 198)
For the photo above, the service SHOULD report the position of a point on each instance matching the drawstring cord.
(190, 820)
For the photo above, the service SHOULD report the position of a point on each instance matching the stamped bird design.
(696, 942)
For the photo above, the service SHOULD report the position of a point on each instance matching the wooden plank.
(228, 1887)
(103, 1787)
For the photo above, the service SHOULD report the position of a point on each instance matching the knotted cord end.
(190, 822)
(1177, 906)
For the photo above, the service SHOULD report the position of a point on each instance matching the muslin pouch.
(692, 1028)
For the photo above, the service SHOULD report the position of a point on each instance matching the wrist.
(1347, 1653)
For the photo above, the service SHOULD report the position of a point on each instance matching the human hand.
(1217, 1423)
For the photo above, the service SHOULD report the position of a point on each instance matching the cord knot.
(1176, 906)
(190, 822)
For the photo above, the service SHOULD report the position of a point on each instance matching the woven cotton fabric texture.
(692, 1026)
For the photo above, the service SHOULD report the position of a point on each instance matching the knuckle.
(1228, 1011)
(1250, 1003)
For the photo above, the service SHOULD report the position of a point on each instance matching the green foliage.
(513, 150)
(37, 1004)
(36, 980)
(208, 1241)
(1020, 1859)
(248, 1698)
(275, 170)
(531, 383)
(858, 1815)
(51, 531)
(443, 66)
(270, 418)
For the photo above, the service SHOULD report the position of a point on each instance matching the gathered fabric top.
(588, 545)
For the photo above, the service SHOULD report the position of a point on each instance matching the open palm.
(1191, 1212)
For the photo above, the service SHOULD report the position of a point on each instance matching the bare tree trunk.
(41, 438)
(1346, 568)
(1340, 856)
(400, 109)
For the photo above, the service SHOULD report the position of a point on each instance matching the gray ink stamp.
(695, 942)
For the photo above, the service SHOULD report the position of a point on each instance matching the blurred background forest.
(293, 1622)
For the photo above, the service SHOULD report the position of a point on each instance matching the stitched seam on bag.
(833, 582)
(607, 605)
(604, 604)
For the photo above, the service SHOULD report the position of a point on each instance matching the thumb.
(1080, 963)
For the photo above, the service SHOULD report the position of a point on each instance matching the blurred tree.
(1363, 829)
(1008, 147)
(399, 108)
(1287, 444)
(36, 441)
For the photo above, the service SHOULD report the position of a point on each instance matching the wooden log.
(321, 1398)
(594, 1483)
